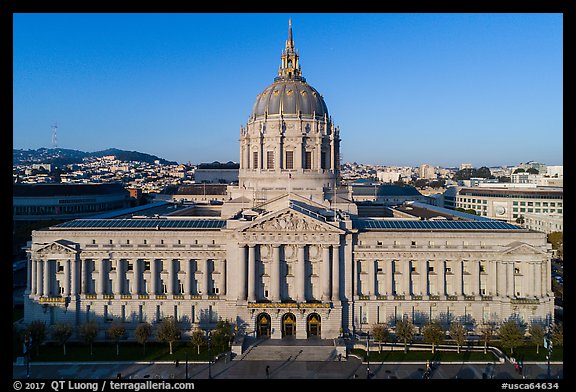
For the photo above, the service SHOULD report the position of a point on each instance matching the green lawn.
(129, 351)
(528, 353)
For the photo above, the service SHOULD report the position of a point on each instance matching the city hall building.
(288, 254)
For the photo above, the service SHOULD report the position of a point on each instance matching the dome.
(290, 97)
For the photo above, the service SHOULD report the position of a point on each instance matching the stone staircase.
(270, 350)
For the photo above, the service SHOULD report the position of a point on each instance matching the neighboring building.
(509, 203)
(66, 201)
(289, 255)
(388, 176)
(427, 172)
(464, 166)
(385, 194)
(217, 173)
(199, 193)
(546, 223)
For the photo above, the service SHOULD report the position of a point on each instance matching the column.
(335, 273)
(275, 274)
(33, 276)
(547, 274)
(119, 283)
(407, 273)
(251, 273)
(40, 277)
(101, 282)
(86, 276)
(493, 278)
(66, 278)
(441, 278)
(206, 281)
(74, 278)
(501, 278)
(153, 277)
(510, 279)
(371, 278)
(459, 282)
(47, 277)
(301, 275)
(538, 279)
(137, 277)
(389, 278)
(242, 273)
(476, 277)
(28, 274)
(171, 277)
(326, 273)
(188, 277)
(424, 277)
(223, 271)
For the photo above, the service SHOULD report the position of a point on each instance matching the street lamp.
(209, 354)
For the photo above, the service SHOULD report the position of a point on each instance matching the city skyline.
(441, 89)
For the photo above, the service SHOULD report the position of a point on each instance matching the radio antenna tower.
(54, 136)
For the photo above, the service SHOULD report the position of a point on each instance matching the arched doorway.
(263, 325)
(288, 325)
(313, 325)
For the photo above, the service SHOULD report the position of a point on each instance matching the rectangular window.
(147, 265)
(323, 160)
(255, 160)
(308, 160)
(270, 160)
(289, 160)
(130, 267)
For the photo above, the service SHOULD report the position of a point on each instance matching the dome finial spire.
(290, 41)
(289, 68)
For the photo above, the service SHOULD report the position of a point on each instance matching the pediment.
(290, 220)
(521, 248)
(58, 247)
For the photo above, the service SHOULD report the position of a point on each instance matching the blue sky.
(405, 89)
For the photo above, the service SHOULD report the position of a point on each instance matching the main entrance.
(313, 325)
(288, 325)
(263, 325)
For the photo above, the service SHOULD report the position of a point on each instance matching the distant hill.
(62, 156)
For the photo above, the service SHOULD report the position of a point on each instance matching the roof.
(196, 189)
(50, 190)
(385, 190)
(375, 224)
(141, 224)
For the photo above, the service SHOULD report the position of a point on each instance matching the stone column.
(275, 274)
(223, 273)
(188, 277)
(252, 273)
(493, 278)
(74, 278)
(206, 278)
(301, 274)
(441, 278)
(458, 276)
(371, 278)
(389, 277)
(171, 277)
(510, 279)
(28, 274)
(153, 277)
(242, 273)
(538, 279)
(407, 273)
(335, 273)
(47, 278)
(99, 289)
(119, 283)
(85, 276)
(326, 273)
(67, 278)
(424, 277)
(476, 277)
(33, 277)
(40, 277)
(137, 278)
(548, 277)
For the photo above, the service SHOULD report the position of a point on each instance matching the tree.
(556, 238)
(532, 170)
(198, 338)
(61, 332)
(37, 332)
(143, 333)
(458, 333)
(558, 334)
(405, 331)
(222, 334)
(510, 335)
(487, 330)
(433, 333)
(88, 332)
(380, 332)
(537, 333)
(117, 332)
(168, 331)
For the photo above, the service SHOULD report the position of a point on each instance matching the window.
(413, 243)
(289, 160)
(255, 160)
(145, 242)
(430, 269)
(270, 160)
(308, 160)
(127, 242)
(147, 266)
(93, 241)
(323, 160)
(130, 267)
